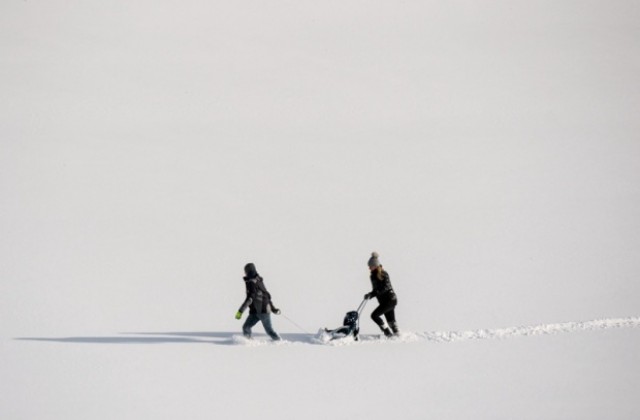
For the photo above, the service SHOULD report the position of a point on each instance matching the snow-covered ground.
(165, 375)
(487, 150)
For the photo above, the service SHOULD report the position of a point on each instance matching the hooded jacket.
(258, 298)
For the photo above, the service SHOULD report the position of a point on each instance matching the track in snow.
(501, 333)
(236, 339)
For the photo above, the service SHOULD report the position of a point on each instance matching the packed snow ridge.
(498, 333)
(601, 324)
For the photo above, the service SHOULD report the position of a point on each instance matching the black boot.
(387, 332)
(394, 328)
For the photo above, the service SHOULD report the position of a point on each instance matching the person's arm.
(274, 309)
(251, 292)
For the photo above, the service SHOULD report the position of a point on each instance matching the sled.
(350, 325)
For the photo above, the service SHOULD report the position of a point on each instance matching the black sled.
(350, 324)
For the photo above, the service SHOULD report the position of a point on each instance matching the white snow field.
(489, 151)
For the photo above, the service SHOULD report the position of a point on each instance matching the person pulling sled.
(387, 299)
(259, 303)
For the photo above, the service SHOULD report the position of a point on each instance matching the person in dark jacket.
(259, 303)
(387, 300)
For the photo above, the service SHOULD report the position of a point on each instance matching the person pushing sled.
(386, 296)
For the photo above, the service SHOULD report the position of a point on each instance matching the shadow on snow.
(216, 338)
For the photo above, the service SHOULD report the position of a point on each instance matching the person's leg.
(377, 313)
(376, 316)
(251, 321)
(390, 315)
(266, 323)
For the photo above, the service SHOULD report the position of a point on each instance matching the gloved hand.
(275, 311)
(368, 296)
(238, 315)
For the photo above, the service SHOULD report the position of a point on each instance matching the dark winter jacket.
(258, 298)
(382, 288)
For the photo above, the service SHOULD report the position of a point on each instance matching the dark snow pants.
(253, 319)
(386, 308)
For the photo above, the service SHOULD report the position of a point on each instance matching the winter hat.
(373, 261)
(250, 270)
